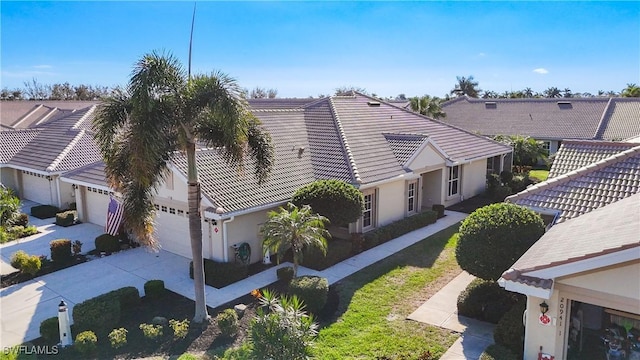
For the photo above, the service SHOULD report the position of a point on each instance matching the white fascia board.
(593, 263)
(215, 216)
(407, 176)
(205, 201)
(84, 183)
(521, 288)
(41, 172)
(421, 148)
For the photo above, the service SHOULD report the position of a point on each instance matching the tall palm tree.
(161, 112)
(632, 90)
(466, 86)
(428, 106)
(552, 92)
(294, 228)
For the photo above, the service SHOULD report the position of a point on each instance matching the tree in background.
(348, 90)
(428, 106)
(294, 228)
(466, 86)
(337, 200)
(632, 90)
(493, 237)
(526, 150)
(552, 92)
(262, 93)
(162, 111)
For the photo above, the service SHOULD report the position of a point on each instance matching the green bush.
(60, 250)
(154, 289)
(21, 220)
(128, 296)
(506, 177)
(187, 356)
(18, 352)
(118, 338)
(497, 352)
(98, 314)
(285, 274)
(399, 228)
(228, 323)
(510, 331)
(485, 300)
(337, 200)
(493, 237)
(49, 330)
(44, 211)
(337, 250)
(150, 331)
(180, 328)
(73, 206)
(86, 342)
(28, 264)
(439, 209)
(107, 243)
(66, 218)
(312, 290)
(19, 259)
(221, 274)
(500, 193)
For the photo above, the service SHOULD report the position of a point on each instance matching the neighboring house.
(549, 120)
(401, 161)
(586, 270)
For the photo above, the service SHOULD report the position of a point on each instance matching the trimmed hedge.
(439, 209)
(49, 330)
(285, 274)
(28, 264)
(44, 211)
(337, 251)
(60, 250)
(128, 296)
(485, 300)
(107, 243)
(221, 274)
(66, 218)
(510, 331)
(102, 313)
(398, 228)
(497, 352)
(154, 289)
(312, 290)
(340, 202)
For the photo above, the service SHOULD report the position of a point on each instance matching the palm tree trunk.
(195, 233)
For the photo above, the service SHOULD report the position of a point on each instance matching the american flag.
(114, 217)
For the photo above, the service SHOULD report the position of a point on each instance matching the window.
(454, 180)
(368, 215)
(163, 208)
(411, 197)
(181, 212)
(546, 145)
(172, 211)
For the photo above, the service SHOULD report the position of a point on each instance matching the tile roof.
(26, 113)
(605, 230)
(13, 141)
(583, 190)
(278, 103)
(404, 145)
(92, 174)
(574, 118)
(574, 154)
(622, 120)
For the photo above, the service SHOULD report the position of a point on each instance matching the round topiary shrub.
(485, 300)
(228, 323)
(154, 289)
(510, 331)
(497, 352)
(107, 243)
(312, 290)
(336, 200)
(49, 330)
(86, 342)
(493, 237)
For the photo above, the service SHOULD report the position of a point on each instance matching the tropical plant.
(9, 206)
(337, 200)
(164, 110)
(466, 86)
(151, 331)
(552, 92)
(180, 328)
(428, 106)
(527, 151)
(632, 90)
(294, 228)
(118, 338)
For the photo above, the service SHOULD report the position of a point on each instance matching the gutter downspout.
(225, 241)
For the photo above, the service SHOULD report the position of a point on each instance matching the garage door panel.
(36, 189)
(172, 231)
(97, 206)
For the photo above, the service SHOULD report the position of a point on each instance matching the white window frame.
(453, 180)
(371, 210)
(412, 197)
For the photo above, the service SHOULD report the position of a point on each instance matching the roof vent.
(565, 105)
(373, 103)
(490, 104)
(564, 102)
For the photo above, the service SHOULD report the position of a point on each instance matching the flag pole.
(193, 20)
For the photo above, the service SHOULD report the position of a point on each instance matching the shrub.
(107, 243)
(439, 209)
(118, 338)
(337, 250)
(18, 259)
(76, 246)
(506, 177)
(493, 237)
(180, 328)
(357, 243)
(497, 352)
(44, 211)
(154, 289)
(127, 296)
(221, 274)
(21, 220)
(500, 193)
(86, 342)
(49, 330)
(485, 300)
(510, 331)
(187, 356)
(285, 274)
(337, 200)
(228, 323)
(150, 331)
(98, 314)
(73, 206)
(28, 264)
(493, 181)
(66, 218)
(60, 250)
(312, 290)
(9, 205)
(399, 228)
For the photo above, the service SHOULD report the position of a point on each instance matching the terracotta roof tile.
(13, 141)
(404, 145)
(574, 154)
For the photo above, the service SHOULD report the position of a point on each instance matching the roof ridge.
(601, 124)
(65, 151)
(345, 144)
(88, 112)
(278, 110)
(576, 173)
(600, 142)
(25, 116)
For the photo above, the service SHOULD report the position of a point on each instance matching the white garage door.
(172, 230)
(97, 204)
(35, 187)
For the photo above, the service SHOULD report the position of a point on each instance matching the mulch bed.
(48, 267)
(471, 204)
(201, 338)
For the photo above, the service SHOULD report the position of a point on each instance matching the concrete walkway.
(24, 306)
(441, 310)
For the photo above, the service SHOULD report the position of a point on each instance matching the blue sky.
(309, 48)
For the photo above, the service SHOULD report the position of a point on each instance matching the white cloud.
(42, 66)
(541, 71)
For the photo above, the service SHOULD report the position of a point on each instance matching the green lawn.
(539, 174)
(375, 302)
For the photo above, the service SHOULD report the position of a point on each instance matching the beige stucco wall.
(391, 202)
(8, 178)
(428, 158)
(602, 281)
(550, 337)
(176, 192)
(474, 178)
(432, 188)
(67, 194)
(245, 228)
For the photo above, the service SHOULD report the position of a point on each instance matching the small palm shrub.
(180, 328)
(118, 338)
(150, 331)
(49, 330)
(311, 290)
(86, 342)
(228, 323)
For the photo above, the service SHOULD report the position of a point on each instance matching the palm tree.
(632, 90)
(163, 111)
(294, 228)
(466, 86)
(527, 151)
(552, 92)
(428, 106)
